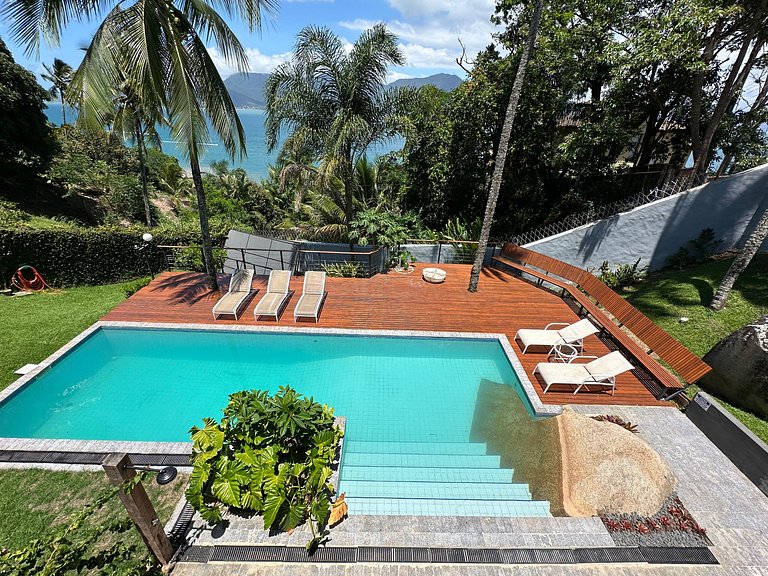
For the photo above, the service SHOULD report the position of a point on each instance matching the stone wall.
(655, 231)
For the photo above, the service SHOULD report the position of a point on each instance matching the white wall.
(655, 231)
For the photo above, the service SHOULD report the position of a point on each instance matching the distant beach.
(256, 163)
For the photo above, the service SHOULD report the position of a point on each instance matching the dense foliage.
(269, 454)
(26, 145)
(86, 255)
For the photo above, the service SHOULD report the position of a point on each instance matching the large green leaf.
(296, 513)
(226, 490)
(272, 505)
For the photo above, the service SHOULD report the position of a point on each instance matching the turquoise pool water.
(410, 403)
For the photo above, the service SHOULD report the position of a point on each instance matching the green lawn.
(35, 326)
(667, 296)
(32, 501)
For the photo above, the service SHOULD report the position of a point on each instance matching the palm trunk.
(63, 111)
(202, 209)
(740, 263)
(501, 152)
(143, 168)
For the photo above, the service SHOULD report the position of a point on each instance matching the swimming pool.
(411, 404)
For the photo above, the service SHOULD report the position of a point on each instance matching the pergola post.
(139, 507)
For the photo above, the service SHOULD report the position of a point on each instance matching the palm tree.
(60, 75)
(336, 104)
(752, 244)
(503, 149)
(157, 45)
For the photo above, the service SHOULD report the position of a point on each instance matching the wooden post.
(139, 508)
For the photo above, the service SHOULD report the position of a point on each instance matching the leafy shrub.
(269, 454)
(11, 215)
(344, 270)
(696, 250)
(380, 228)
(191, 258)
(77, 256)
(624, 275)
(402, 260)
(136, 285)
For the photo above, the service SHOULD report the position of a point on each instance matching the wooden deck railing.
(594, 297)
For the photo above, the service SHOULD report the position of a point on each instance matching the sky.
(428, 30)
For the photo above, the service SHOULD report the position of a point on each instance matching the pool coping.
(52, 444)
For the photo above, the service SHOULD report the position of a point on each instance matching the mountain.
(247, 89)
(445, 82)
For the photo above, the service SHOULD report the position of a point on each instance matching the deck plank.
(393, 301)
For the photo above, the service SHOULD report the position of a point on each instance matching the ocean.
(257, 161)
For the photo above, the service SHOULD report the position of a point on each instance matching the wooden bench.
(591, 294)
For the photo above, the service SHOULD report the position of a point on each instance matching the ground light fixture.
(164, 475)
(147, 238)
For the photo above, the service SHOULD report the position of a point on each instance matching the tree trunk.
(740, 263)
(202, 209)
(143, 168)
(63, 111)
(501, 152)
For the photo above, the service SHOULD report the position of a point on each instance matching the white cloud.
(431, 30)
(257, 61)
(392, 76)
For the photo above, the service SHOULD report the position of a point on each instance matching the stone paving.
(723, 500)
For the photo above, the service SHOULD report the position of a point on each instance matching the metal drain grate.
(179, 529)
(678, 556)
(389, 555)
(196, 554)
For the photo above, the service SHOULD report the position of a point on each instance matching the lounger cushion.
(308, 305)
(529, 337)
(269, 304)
(560, 373)
(613, 363)
(229, 303)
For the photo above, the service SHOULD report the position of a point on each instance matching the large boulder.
(740, 368)
(607, 468)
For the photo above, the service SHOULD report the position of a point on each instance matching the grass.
(665, 297)
(33, 502)
(37, 325)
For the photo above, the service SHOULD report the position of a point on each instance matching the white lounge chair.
(239, 290)
(278, 290)
(312, 295)
(572, 334)
(599, 372)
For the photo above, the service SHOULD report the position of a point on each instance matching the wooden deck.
(502, 304)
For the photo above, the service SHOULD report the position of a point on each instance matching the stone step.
(469, 448)
(419, 460)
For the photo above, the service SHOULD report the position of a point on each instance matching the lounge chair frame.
(308, 292)
(578, 343)
(605, 380)
(271, 292)
(246, 294)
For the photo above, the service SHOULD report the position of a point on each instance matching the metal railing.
(595, 213)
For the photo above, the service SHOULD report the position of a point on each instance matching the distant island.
(247, 89)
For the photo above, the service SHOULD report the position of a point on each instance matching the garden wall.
(655, 231)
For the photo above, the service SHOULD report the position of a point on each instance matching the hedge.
(86, 255)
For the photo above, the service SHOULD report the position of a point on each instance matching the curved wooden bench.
(592, 294)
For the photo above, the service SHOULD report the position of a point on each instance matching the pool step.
(404, 460)
(468, 448)
(432, 479)
(400, 474)
(437, 490)
(417, 507)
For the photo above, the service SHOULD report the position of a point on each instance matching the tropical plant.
(335, 104)
(26, 143)
(271, 454)
(60, 75)
(622, 276)
(503, 147)
(161, 48)
(344, 270)
(462, 236)
(381, 228)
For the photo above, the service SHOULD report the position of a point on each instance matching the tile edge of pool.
(46, 444)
